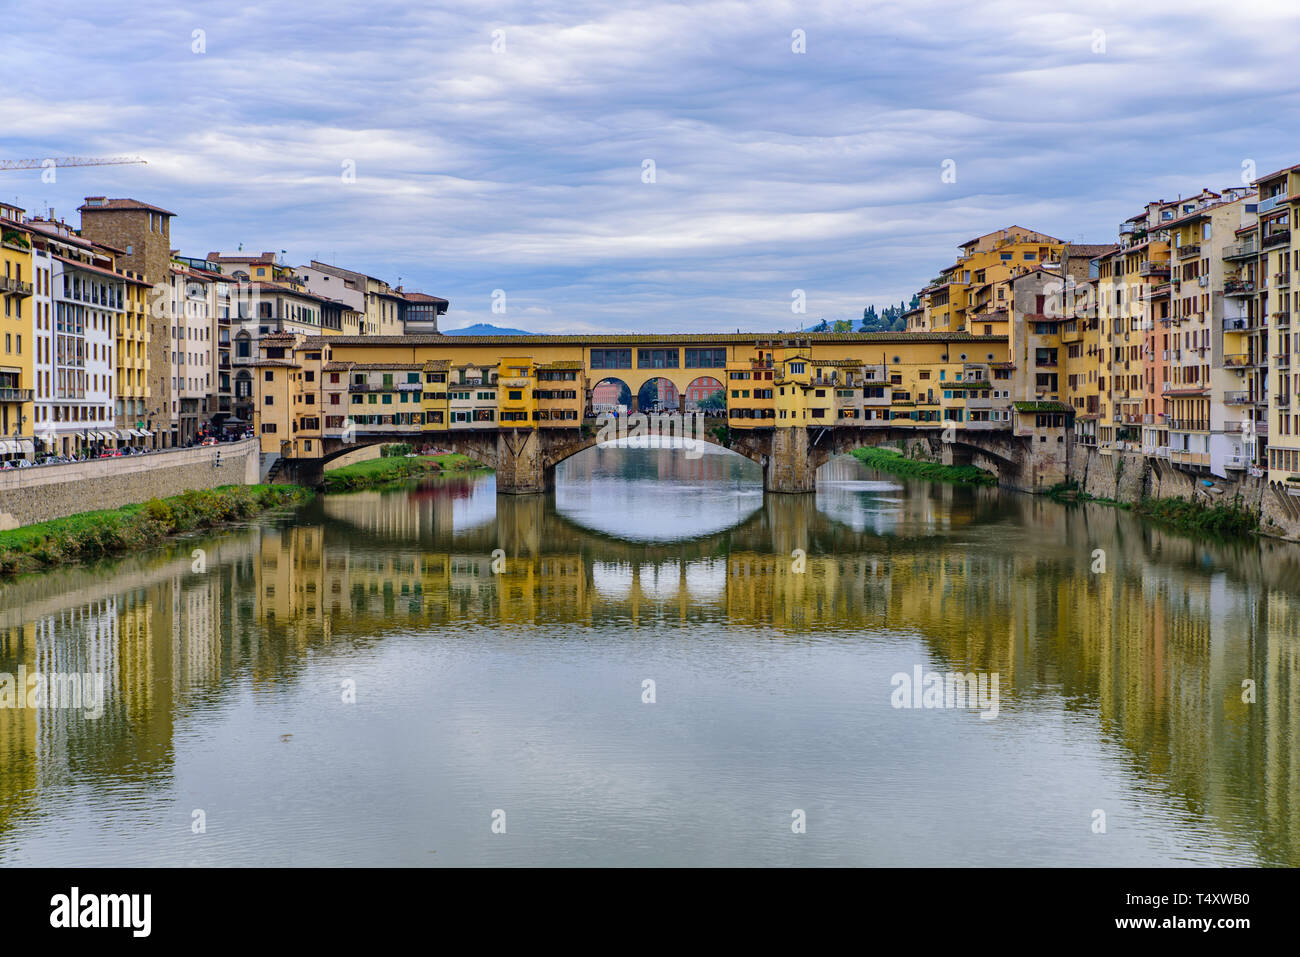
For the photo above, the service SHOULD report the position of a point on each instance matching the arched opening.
(611, 395)
(658, 395)
(706, 394)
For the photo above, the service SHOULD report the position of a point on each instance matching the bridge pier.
(788, 465)
(521, 467)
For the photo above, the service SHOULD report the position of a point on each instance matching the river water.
(660, 665)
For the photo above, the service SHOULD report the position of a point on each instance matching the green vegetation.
(1189, 516)
(376, 473)
(1225, 520)
(891, 460)
(99, 534)
(396, 450)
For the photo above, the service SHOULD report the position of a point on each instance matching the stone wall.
(1129, 477)
(40, 494)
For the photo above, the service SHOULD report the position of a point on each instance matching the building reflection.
(1151, 652)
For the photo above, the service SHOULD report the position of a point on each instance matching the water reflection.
(1121, 689)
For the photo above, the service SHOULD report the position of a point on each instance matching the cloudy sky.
(508, 146)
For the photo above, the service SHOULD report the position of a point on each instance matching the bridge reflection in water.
(1148, 657)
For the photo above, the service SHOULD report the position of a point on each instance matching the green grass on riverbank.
(891, 460)
(1221, 520)
(90, 535)
(373, 473)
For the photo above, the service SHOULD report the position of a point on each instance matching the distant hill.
(484, 329)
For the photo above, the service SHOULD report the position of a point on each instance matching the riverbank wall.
(28, 496)
(1129, 478)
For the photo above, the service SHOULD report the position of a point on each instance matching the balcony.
(17, 287)
(1189, 250)
(1270, 203)
(1245, 250)
(1239, 287)
(1281, 280)
(15, 395)
(409, 387)
(1239, 324)
(1277, 237)
(1153, 269)
(1282, 319)
(1236, 398)
(1283, 360)
(1127, 229)
(1234, 462)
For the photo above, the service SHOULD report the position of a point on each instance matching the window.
(706, 358)
(516, 395)
(611, 358)
(656, 358)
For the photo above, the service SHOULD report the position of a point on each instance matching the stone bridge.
(525, 459)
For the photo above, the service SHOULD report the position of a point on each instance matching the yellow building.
(516, 407)
(16, 335)
(1279, 261)
(131, 353)
(973, 294)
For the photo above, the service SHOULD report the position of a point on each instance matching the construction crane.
(63, 161)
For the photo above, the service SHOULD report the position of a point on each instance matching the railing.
(1189, 425)
(1242, 250)
(16, 395)
(1234, 462)
(1188, 251)
(1240, 324)
(18, 287)
(1270, 203)
(1236, 398)
(1239, 287)
(1281, 280)
(1153, 268)
(1277, 236)
(1283, 319)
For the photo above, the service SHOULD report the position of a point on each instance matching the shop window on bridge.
(656, 358)
(435, 377)
(706, 358)
(611, 358)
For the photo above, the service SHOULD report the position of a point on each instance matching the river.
(659, 665)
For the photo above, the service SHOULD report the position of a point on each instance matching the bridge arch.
(658, 394)
(608, 394)
(705, 394)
